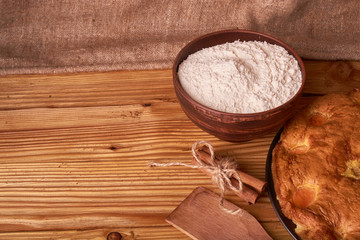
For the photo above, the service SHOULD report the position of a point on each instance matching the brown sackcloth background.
(94, 35)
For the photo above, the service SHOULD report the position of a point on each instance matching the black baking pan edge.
(288, 224)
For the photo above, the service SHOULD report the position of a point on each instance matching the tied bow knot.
(223, 171)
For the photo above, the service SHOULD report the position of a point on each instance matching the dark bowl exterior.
(233, 126)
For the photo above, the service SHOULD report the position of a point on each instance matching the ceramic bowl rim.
(180, 90)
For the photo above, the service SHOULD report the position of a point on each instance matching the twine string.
(221, 171)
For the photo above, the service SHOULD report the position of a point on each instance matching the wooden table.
(75, 148)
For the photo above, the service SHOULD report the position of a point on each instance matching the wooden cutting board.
(201, 217)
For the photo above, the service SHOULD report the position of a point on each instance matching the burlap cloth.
(73, 36)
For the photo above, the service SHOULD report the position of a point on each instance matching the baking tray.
(288, 224)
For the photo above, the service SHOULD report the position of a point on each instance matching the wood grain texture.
(201, 217)
(74, 153)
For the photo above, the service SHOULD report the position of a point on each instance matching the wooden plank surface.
(75, 148)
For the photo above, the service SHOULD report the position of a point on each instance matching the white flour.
(241, 77)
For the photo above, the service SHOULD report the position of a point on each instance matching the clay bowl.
(234, 126)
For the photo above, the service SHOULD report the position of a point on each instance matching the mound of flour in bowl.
(241, 77)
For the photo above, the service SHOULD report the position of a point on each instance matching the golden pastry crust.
(316, 168)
